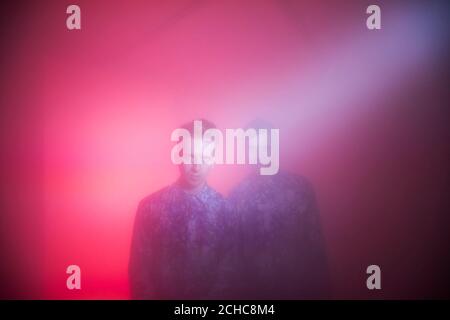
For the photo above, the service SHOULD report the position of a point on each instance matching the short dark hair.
(259, 123)
(206, 124)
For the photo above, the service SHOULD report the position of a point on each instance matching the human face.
(194, 175)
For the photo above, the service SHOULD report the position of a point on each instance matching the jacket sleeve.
(140, 266)
(318, 273)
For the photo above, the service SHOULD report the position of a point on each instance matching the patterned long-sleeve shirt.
(177, 246)
(280, 246)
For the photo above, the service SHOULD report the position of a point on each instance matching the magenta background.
(86, 118)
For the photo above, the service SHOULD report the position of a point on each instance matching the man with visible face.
(193, 176)
(178, 235)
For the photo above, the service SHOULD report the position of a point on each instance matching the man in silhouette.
(280, 249)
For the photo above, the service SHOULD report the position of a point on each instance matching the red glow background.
(86, 118)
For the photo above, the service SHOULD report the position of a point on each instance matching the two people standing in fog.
(264, 242)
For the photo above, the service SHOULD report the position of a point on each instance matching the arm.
(318, 266)
(140, 267)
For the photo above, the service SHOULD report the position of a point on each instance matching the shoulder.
(246, 185)
(148, 203)
(298, 181)
(297, 187)
(294, 185)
